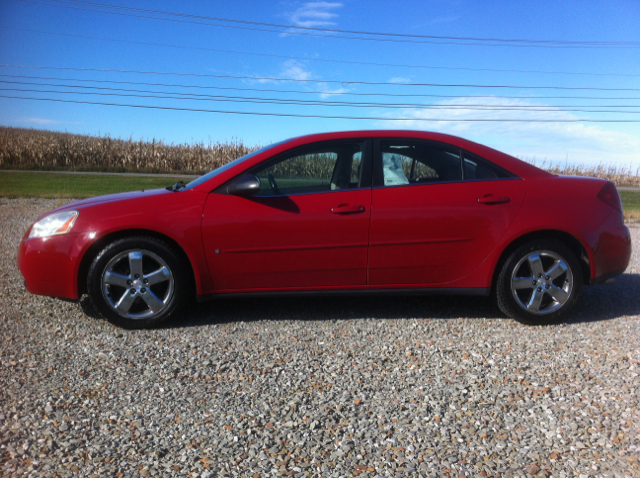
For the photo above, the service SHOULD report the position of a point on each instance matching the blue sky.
(45, 33)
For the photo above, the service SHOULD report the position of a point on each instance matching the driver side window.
(317, 170)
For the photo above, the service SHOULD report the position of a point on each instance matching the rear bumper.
(605, 277)
(611, 246)
(50, 265)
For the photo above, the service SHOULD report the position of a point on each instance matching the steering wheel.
(272, 182)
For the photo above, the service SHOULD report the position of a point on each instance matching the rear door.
(306, 228)
(437, 212)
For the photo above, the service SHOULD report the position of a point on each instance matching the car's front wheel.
(539, 283)
(138, 282)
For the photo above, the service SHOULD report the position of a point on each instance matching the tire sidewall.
(508, 303)
(160, 248)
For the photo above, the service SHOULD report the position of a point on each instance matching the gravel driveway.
(383, 386)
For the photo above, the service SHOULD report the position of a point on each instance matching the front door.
(307, 227)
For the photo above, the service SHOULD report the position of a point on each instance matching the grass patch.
(102, 169)
(631, 205)
(630, 200)
(47, 185)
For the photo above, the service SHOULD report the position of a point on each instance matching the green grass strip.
(630, 200)
(47, 185)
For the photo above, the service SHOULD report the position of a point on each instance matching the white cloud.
(328, 92)
(399, 80)
(315, 14)
(295, 70)
(579, 143)
(37, 121)
(448, 19)
(291, 70)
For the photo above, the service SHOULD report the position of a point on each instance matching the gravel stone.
(332, 387)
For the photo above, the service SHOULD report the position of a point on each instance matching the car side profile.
(346, 212)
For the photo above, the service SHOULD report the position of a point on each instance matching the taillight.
(609, 195)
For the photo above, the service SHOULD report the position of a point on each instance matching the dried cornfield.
(620, 175)
(39, 149)
(22, 148)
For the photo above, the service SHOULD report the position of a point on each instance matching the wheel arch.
(573, 243)
(100, 243)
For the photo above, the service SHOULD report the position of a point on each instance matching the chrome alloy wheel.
(542, 282)
(137, 284)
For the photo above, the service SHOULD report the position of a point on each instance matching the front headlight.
(55, 224)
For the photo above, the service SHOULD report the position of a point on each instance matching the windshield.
(217, 171)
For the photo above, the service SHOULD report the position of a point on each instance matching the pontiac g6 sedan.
(350, 212)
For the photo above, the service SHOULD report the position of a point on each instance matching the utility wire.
(346, 62)
(296, 31)
(301, 103)
(293, 115)
(325, 92)
(353, 32)
(450, 106)
(357, 32)
(344, 83)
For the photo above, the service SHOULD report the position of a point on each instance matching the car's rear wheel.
(138, 282)
(539, 283)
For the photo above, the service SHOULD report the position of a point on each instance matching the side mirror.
(246, 186)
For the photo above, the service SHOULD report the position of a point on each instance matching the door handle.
(493, 200)
(347, 210)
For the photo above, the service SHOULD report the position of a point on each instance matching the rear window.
(478, 169)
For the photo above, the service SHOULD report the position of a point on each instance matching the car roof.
(508, 162)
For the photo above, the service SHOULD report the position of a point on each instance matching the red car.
(355, 212)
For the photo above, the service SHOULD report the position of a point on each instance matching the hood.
(129, 195)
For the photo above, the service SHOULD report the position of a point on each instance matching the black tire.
(552, 297)
(138, 282)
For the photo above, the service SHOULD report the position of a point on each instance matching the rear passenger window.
(408, 162)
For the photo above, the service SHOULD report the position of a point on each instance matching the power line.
(325, 35)
(240, 99)
(324, 92)
(302, 103)
(340, 82)
(354, 32)
(293, 115)
(346, 62)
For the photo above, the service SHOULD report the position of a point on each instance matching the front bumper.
(50, 265)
